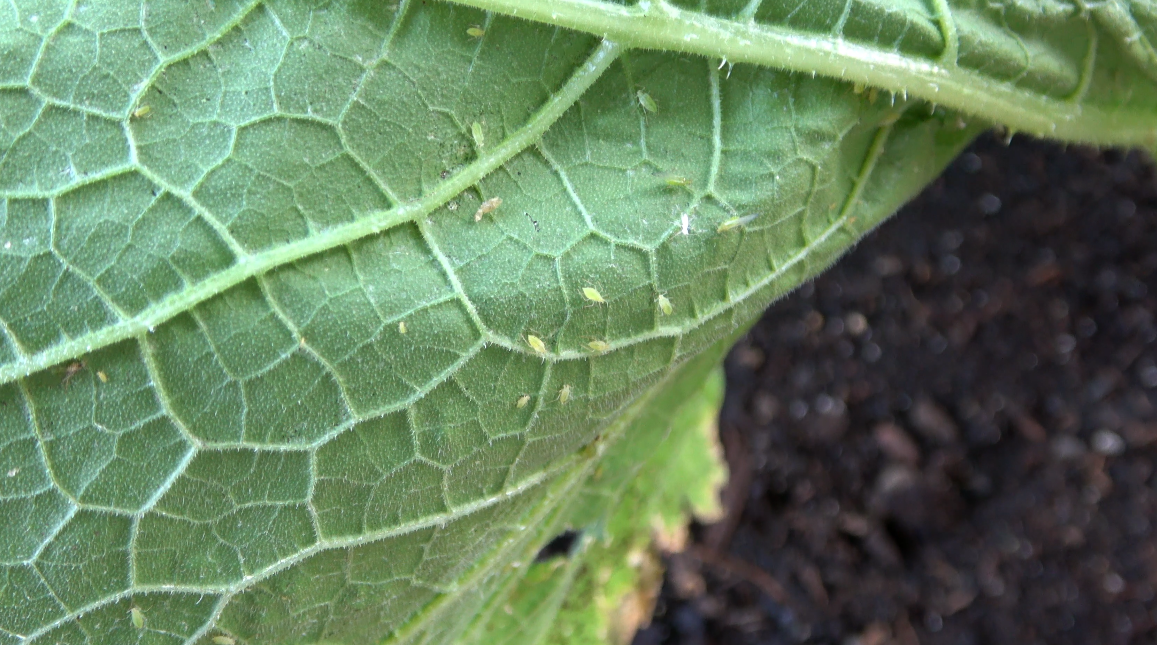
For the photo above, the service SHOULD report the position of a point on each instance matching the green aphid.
(564, 395)
(142, 111)
(592, 294)
(138, 617)
(599, 346)
(647, 102)
(536, 344)
(522, 401)
(224, 640)
(676, 180)
(475, 31)
(735, 222)
(665, 305)
(478, 134)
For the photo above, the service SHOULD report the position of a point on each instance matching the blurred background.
(951, 436)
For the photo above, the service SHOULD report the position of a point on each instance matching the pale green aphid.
(564, 394)
(402, 327)
(478, 134)
(138, 617)
(599, 346)
(142, 111)
(536, 344)
(223, 640)
(475, 31)
(522, 401)
(665, 305)
(647, 102)
(735, 222)
(676, 180)
(592, 294)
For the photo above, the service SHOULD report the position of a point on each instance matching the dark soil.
(951, 436)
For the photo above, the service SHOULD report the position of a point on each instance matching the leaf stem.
(654, 24)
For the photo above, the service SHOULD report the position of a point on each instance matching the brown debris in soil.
(949, 438)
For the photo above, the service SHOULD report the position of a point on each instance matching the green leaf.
(261, 369)
(668, 468)
(1074, 70)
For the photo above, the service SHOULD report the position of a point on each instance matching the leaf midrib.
(655, 24)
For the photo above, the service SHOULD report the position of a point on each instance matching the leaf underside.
(263, 377)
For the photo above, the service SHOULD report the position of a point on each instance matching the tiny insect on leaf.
(478, 134)
(647, 102)
(536, 344)
(665, 305)
(102, 376)
(735, 222)
(599, 346)
(142, 111)
(592, 294)
(223, 640)
(475, 31)
(488, 206)
(402, 327)
(676, 180)
(71, 370)
(138, 617)
(564, 394)
(522, 401)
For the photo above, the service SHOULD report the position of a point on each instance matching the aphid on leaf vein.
(536, 344)
(676, 180)
(138, 617)
(735, 222)
(648, 104)
(564, 395)
(592, 294)
(488, 206)
(401, 327)
(71, 370)
(142, 111)
(475, 31)
(522, 401)
(223, 640)
(478, 134)
(599, 346)
(102, 376)
(665, 305)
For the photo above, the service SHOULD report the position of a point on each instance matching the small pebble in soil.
(1108, 443)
